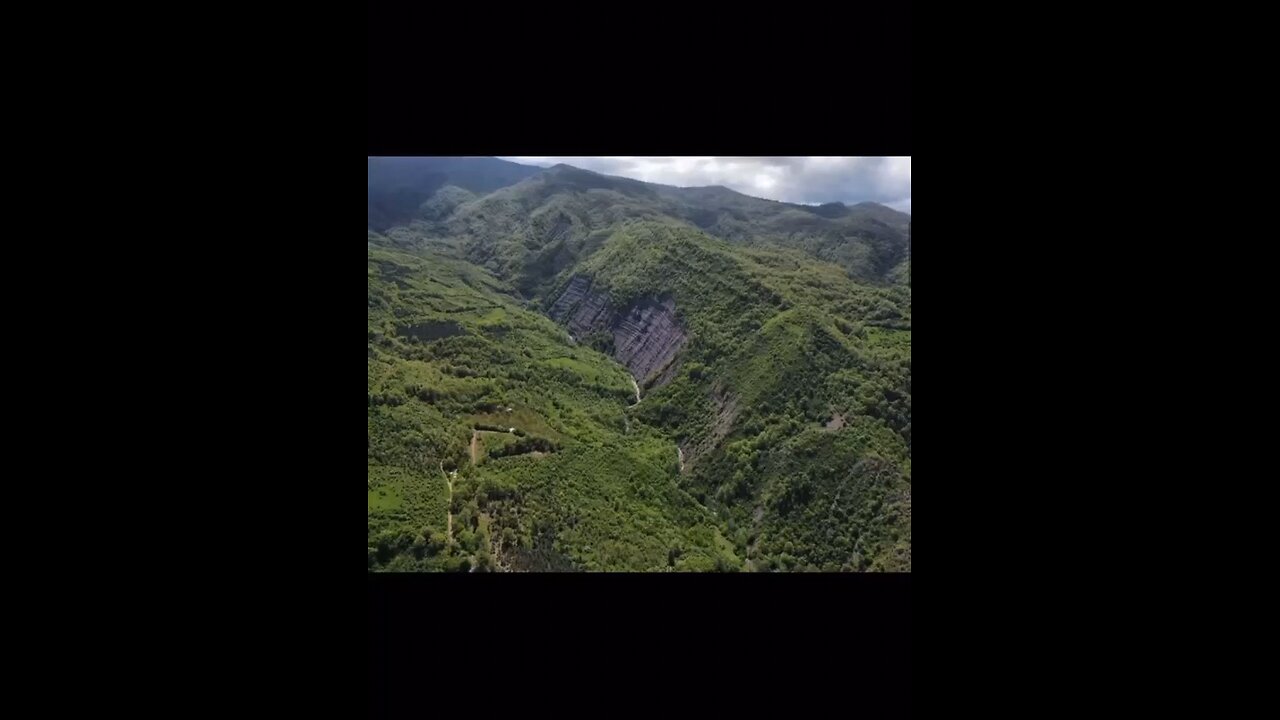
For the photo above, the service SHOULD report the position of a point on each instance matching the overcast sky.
(813, 180)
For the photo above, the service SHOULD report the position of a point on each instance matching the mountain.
(533, 228)
(583, 372)
(398, 186)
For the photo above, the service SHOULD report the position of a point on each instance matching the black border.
(737, 83)
(996, 318)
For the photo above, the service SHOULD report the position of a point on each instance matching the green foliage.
(569, 481)
(790, 400)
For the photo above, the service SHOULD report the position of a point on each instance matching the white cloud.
(764, 181)
(811, 180)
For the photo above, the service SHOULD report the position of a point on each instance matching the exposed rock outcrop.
(559, 230)
(592, 315)
(646, 334)
(668, 373)
(569, 299)
(647, 337)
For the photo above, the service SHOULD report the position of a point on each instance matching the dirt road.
(449, 507)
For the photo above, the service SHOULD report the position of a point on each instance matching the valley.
(576, 372)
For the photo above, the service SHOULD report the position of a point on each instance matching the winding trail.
(755, 532)
(635, 385)
(475, 446)
(680, 454)
(448, 508)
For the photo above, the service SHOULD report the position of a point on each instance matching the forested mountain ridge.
(399, 186)
(772, 429)
(550, 218)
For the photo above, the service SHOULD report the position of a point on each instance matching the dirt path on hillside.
(475, 446)
(448, 508)
(635, 385)
(756, 515)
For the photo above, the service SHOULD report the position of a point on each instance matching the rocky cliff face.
(570, 298)
(647, 337)
(646, 334)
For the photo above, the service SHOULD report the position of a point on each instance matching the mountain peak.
(870, 204)
(830, 210)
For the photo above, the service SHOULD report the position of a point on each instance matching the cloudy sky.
(812, 180)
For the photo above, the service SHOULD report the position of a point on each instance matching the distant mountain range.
(506, 209)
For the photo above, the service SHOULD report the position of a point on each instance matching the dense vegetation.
(779, 438)
(570, 483)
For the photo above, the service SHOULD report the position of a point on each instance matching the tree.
(723, 564)
(436, 542)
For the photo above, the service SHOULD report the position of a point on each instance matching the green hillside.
(770, 344)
